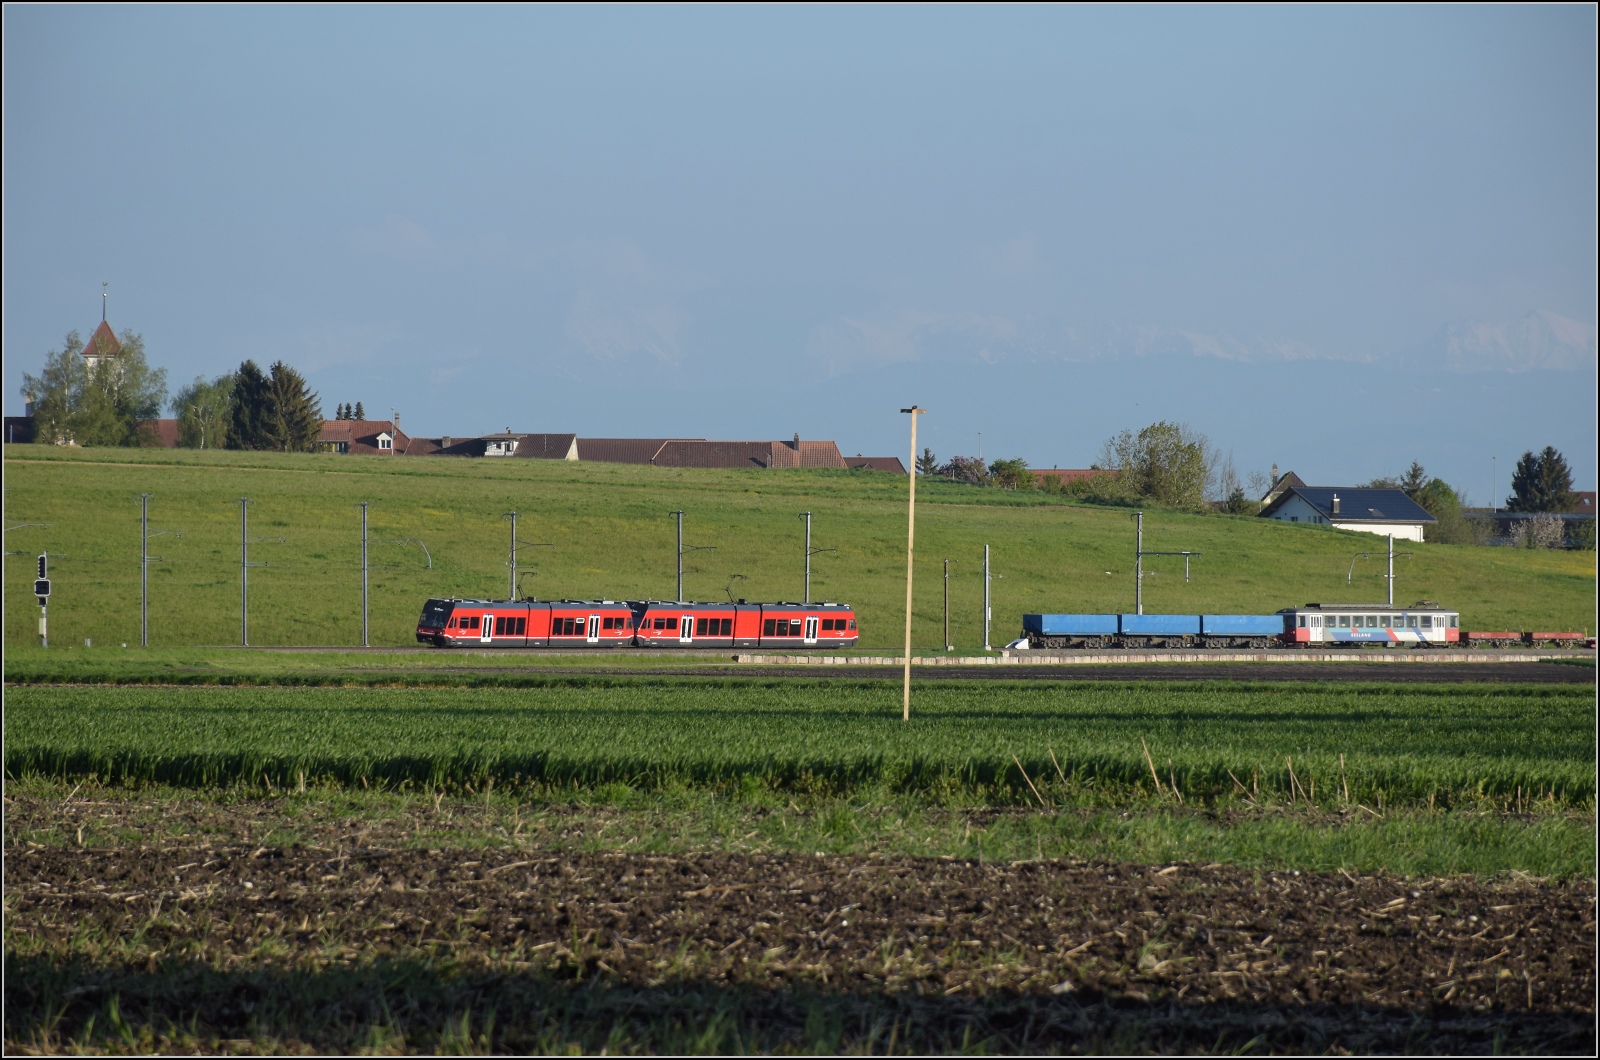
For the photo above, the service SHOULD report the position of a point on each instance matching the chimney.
(1335, 504)
(444, 443)
(797, 441)
(1274, 474)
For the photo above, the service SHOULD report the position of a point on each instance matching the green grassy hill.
(613, 535)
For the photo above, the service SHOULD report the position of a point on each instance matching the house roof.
(718, 454)
(103, 343)
(622, 450)
(545, 446)
(1283, 483)
(1356, 505)
(876, 463)
(162, 434)
(362, 435)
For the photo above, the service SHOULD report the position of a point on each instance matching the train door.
(486, 631)
(594, 629)
(811, 630)
(686, 629)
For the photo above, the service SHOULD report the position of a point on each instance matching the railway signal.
(41, 589)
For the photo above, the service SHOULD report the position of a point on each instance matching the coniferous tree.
(1414, 480)
(248, 407)
(927, 463)
(1542, 482)
(293, 417)
(361, 413)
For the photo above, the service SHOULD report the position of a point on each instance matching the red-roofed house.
(371, 437)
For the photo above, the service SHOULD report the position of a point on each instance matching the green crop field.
(1077, 742)
(612, 535)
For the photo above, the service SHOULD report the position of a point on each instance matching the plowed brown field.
(918, 954)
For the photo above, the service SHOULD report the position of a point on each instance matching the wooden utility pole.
(911, 541)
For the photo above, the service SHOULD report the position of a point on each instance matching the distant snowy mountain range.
(1540, 340)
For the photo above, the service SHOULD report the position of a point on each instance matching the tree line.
(1171, 465)
(116, 402)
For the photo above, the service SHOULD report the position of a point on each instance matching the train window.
(727, 628)
(1453, 620)
(852, 623)
(1302, 623)
(500, 625)
(1426, 621)
(522, 627)
(827, 625)
(766, 628)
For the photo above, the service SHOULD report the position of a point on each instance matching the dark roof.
(1582, 503)
(620, 450)
(545, 446)
(714, 454)
(1284, 482)
(1356, 505)
(876, 463)
(19, 429)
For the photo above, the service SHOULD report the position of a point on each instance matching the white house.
(1372, 511)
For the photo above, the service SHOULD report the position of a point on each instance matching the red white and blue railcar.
(1358, 625)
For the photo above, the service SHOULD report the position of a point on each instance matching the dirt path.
(1194, 956)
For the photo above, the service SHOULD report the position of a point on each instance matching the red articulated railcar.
(639, 623)
(526, 624)
(675, 624)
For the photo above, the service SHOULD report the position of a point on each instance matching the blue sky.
(1335, 239)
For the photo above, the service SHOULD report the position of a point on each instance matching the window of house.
(385, 442)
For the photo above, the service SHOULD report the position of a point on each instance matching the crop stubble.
(1043, 955)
